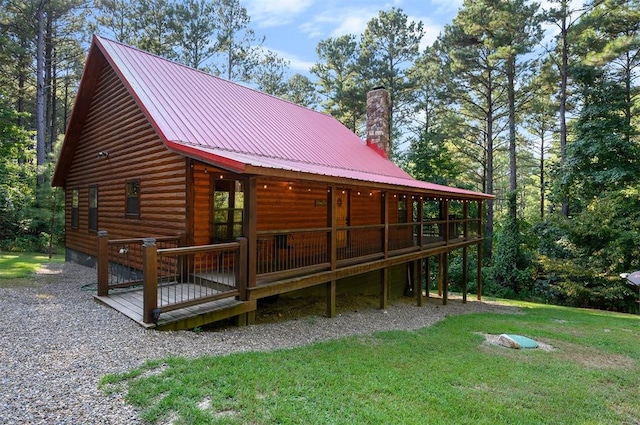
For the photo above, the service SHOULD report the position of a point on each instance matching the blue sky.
(293, 28)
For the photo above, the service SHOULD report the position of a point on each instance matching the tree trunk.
(40, 94)
(542, 176)
(488, 234)
(564, 70)
(513, 178)
(48, 77)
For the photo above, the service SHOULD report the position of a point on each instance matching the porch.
(163, 285)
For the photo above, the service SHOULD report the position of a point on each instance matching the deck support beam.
(427, 277)
(384, 289)
(464, 274)
(440, 273)
(445, 277)
(417, 281)
(331, 299)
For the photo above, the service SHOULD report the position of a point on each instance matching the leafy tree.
(339, 81)
(511, 269)
(270, 75)
(301, 90)
(389, 44)
(196, 28)
(428, 157)
(236, 43)
(540, 122)
(478, 94)
(16, 180)
(154, 23)
(515, 29)
(600, 157)
(611, 35)
(117, 18)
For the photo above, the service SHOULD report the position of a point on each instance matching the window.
(133, 198)
(228, 210)
(93, 208)
(74, 208)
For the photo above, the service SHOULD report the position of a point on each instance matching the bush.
(568, 282)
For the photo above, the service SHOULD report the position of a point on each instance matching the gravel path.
(56, 343)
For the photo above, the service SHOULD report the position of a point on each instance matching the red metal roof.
(236, 127)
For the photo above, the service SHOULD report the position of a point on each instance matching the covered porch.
(295, 235)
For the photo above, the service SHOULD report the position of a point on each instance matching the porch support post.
(384, 273)
(150, 276)
(417, 281)
(103, 263)
(331, 299)
(385, 220)
(384, 289)
(440, 273)
(427, 277)
(421, 225)
(445, 277)
(332, 246)
(465, 216)
(445, 212)
(464, 273)
(251, 234)
(241, 268)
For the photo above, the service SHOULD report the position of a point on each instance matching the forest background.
(538, 106)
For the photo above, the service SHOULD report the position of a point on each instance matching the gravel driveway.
(56, 343)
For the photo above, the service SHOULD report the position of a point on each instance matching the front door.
(342, 217)
(228, 209)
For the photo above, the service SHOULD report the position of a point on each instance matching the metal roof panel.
(198, 112)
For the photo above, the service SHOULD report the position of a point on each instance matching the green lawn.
(18, 265)
(445, 374)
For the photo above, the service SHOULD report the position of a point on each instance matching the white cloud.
(337, 21)
(269, 13)
(446, 6)
(295, 63)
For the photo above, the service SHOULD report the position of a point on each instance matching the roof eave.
(298, 175)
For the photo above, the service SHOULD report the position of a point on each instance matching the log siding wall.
(115, 124)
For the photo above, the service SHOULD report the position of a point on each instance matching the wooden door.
(342, 217)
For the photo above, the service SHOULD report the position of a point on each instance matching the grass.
(442, 374)
(17, 267)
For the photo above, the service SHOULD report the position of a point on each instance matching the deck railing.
(359, 241)
(291, 249)
(120, 260)
(279, 251)
(177, 278)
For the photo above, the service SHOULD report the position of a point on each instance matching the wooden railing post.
(150, 276)
(103, 263)
(242, 268)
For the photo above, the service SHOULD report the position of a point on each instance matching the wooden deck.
(130, 304)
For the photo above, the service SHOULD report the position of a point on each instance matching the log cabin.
(195, 197)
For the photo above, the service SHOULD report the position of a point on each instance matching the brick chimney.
(378, 109)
